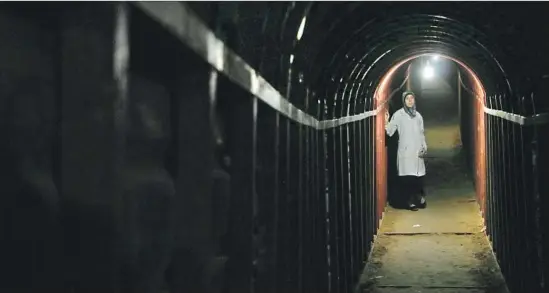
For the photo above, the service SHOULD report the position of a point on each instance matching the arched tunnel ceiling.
(504, 43)
(494, 44)
(512, 30)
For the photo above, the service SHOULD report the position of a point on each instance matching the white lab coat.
(410, 143)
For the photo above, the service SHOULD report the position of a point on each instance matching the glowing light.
(301, 28)
(291, 58)
(428, 72)
(435, 57)
(380, 87)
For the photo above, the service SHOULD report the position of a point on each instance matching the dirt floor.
(439, 249)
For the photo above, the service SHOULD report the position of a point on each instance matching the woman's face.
(409, 100)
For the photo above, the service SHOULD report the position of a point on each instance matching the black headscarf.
(409, 110)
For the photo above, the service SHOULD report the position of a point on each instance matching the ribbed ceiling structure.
(342, 44)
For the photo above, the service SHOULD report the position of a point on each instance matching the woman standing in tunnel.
(411, 149)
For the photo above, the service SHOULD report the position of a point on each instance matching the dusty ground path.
(439, 249)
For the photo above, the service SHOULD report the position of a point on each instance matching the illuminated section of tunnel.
(343, 60)
(358, 64)
(358, 70)
(361, 61)
(382, 95)
(356, 79)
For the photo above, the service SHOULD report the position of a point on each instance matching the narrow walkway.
(439, 249)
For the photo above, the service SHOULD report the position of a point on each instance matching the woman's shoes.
(421, 204)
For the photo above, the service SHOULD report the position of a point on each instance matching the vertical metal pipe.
(276, 206)
(459, 92)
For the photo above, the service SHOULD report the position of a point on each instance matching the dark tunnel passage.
(241, 146)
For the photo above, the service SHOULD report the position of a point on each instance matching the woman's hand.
(422, 152)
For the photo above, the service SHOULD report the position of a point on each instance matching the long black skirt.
(412, 189)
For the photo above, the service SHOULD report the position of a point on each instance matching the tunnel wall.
(473, 129)
(509, 190)
(29, 108)
(354, 210)
(381, 99)
(131, 165)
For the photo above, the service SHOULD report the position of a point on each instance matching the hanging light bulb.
(428, 72)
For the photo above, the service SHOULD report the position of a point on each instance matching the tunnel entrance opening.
(383, 96)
